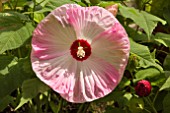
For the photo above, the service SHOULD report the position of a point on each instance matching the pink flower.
(80, 52)
(143, 88)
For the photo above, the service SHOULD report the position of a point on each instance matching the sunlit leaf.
(143, 55)
(13, 30)
(163, 39)
(52, 4)
(152, 74)
(166, 85)
(145, 20)
(38, 17)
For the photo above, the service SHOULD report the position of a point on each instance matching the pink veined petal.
(54, 35)
(90, 21)
(95, 78)
(113, 47)
(58, 73)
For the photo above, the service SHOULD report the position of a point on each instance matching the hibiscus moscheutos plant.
(80, 52)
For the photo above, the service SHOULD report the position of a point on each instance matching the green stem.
(147, 99)
(59, 106)
(81, 108)
(16, 2)
(86, 107)
(19, 53)
(155, 97)
(147, 110)
(10, 5)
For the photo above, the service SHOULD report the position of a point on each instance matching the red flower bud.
(143, 88)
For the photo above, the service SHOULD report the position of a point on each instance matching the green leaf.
(157, 7)
(5, 102)
(22, 102)
(14, 78)
(13, 30)
(163, 39)
(6, 60)
(166, 104)
(38, 17)
(110, 97)
(30, 89)
(143, 56)
(145, 20)
(166, 85)
(136, 35)
(136, 105)
(166, 63)
(152, 74)
(166, 13)
(52, 4)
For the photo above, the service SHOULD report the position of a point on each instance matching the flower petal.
(54, 35)
(113, 47)
(57, 73)
(95, 78)
(90, 21)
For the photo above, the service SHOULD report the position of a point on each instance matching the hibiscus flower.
(80, 52)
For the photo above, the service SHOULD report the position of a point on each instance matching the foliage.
(148, 26)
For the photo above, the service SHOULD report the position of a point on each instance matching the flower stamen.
(80, 49)
(80, 52)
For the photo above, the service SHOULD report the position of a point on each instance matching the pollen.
(80, 50)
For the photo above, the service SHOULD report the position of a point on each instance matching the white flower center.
(80, 52)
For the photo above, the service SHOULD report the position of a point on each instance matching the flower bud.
(113, 9)
(143, 88)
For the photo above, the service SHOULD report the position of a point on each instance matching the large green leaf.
(14, 31)
(14, 79)
(145, 20)
(30, 89)
(143, 56)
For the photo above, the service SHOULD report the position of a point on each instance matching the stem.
(16, 2)
(81, 108)
(147, 99)
(0, 5)
(19, 53)
(10, 5)
(59, 106)
(155, 97)
(147, 110)
(86, 107)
